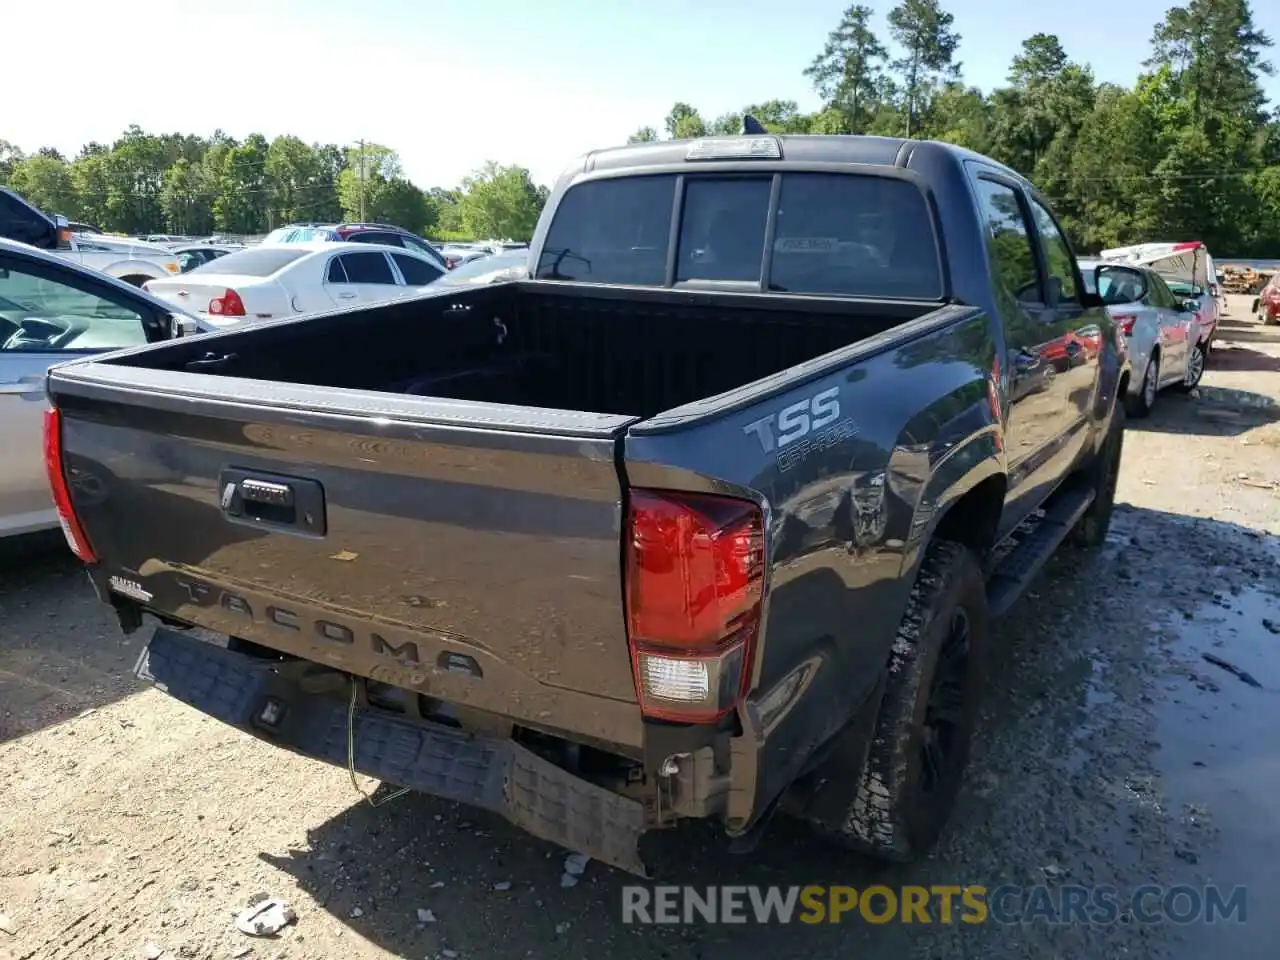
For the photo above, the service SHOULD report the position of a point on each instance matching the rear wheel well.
(974, 519)
(1123, 387)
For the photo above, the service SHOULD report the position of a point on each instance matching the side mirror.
(1190, 306)
(1123, 284)
(182, 326)
(63, 227)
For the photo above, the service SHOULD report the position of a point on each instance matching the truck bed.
(628, 352)
(428, 537)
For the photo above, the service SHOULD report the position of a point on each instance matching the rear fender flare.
(978, 459)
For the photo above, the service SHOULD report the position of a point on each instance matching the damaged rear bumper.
(260, 698)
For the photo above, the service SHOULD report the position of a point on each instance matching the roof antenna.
(751, 126)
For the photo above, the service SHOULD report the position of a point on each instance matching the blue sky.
(452, 85)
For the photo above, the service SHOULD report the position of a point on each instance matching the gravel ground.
(1110, 752)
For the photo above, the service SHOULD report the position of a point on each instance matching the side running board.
(1019, 567)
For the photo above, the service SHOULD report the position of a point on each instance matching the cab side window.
(1059, 260)
(1012, 254)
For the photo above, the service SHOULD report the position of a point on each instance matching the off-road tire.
(1101, 475)
(892, 818)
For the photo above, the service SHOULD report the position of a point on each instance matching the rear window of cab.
(836, 234)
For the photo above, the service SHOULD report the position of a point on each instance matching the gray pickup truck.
(705, 519)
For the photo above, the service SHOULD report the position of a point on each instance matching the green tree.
(398, 201)
(293, 175)
(643, 135)
(1217, 55)
(46, 183)
(185, 198)
(369, 169)
(500, 202)
(10, 154)
(135, 167)
(684, 123)
(961, 115)
(845, 72)
(924, 31)
(243, 199)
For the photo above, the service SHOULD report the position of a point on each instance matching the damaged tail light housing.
(61, 488)
(694, 584)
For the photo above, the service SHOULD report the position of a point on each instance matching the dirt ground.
(1110, 752)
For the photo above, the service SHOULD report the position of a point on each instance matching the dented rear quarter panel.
(898, 427)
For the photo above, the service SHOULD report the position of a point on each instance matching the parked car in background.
(493, 268)
(287, 279)
(382, 233)
(192, 255)
(1165, 344)
(457, 254)
(133, 261)
(1189, 271)
(50, 311)
(1266, 305)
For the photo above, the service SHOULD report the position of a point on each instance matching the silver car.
(1166, 344)
(53, 310)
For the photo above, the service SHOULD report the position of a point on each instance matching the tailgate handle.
(273, 501)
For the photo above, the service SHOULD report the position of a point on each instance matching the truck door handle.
(273, 502)
(346, 296)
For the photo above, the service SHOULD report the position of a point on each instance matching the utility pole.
(360, 180)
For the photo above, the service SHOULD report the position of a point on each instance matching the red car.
(1267, 304)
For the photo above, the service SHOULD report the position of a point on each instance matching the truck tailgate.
(382, 535)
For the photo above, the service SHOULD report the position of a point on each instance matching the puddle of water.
(1219, 761)
(1089, 726)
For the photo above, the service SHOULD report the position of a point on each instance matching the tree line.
(182, 184)
(1191, 151)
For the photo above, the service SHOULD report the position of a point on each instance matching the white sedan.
(282, 280)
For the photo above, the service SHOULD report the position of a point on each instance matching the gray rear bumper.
(492, 773)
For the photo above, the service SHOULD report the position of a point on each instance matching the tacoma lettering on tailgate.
(340, 635)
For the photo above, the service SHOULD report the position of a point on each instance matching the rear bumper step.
(490, 773)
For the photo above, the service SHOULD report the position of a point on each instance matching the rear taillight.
(58, 484)
(694, 580)
(450, 262)
(1125, 322)
(227, 305)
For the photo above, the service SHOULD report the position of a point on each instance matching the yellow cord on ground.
(351, 755)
